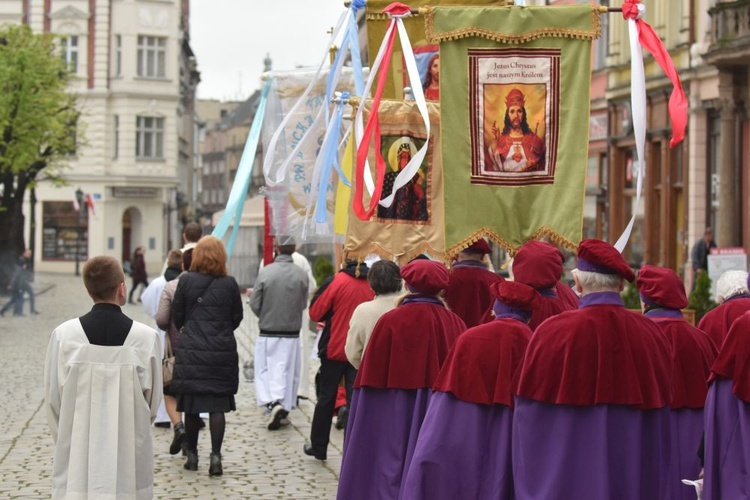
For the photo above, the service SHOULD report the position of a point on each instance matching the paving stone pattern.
(258, 463)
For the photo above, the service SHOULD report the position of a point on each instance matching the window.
(116, 145)
(64, 231)
(118, 55)
(712, 170)
(70, 53)
(152, 56)
(149, 140)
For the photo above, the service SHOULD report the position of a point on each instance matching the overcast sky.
(230, 39)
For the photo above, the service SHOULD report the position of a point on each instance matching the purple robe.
(612, 452)
(381, 433)
(463, 451)
(727, 459)
(686, 427)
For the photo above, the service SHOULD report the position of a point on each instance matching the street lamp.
(80, 200)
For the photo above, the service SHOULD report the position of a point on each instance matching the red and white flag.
(90, 203)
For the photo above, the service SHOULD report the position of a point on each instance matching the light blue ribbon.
(236, 201)
(329, 153)
(350, 43)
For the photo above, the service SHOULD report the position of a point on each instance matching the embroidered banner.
(426, 53)
(515, 107)
(288, 200)
(413, 224)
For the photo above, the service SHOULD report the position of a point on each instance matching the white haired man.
(734, 301)
(594, 380)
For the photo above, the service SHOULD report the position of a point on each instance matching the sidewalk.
(257, 463)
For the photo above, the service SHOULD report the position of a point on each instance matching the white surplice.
(100, 402)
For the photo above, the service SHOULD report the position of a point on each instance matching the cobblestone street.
(257, 463)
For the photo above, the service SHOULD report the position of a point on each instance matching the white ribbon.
(411, 169)
(638, 109)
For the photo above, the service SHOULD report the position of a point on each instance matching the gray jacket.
(279, 297)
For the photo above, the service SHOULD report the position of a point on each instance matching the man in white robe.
(103, 385)
(278, 299)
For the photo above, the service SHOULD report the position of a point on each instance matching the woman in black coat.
(207, 308)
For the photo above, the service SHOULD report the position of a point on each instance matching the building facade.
(136, 77)
(703, 182)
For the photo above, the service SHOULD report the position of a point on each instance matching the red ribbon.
(373, 127)
(678, 105)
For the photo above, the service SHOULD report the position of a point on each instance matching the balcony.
(730, 33)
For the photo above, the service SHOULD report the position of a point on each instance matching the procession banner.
(288, 200)
(515, 112)
(413, 223)
(377, 24)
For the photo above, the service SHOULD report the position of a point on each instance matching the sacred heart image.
(411, 202)
(514, 99)
(427, 58)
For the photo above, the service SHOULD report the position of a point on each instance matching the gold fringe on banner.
(545, 232)
(498, 36)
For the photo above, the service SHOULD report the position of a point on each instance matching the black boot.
(179, 439)
(192, 460)
(215, 468)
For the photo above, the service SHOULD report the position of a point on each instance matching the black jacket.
(207, 310)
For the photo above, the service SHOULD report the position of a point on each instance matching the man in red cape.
(727, 450)
(540, 265)
(592, 410)
(693, 353)
(468, 293)
(404, 355)
(734, 300)
(464, 445)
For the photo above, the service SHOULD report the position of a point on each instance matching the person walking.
(102, 388)
(24, 262)
(165, 321)
(140, 277)
(334, 303)
(278, 299)
(207, 308)
(593, 381)
(16, 293)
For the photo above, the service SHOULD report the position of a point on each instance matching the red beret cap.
(426, 276)
(662, 286)
(538, 264)
(515, 294)
(480, 246)
(598, 256)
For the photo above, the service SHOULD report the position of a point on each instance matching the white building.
(136, 79)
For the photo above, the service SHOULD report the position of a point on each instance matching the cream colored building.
(136, 79)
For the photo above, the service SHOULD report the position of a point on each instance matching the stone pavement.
(257, 463)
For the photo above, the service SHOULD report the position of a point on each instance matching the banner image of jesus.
(514, 105)
(516, 148)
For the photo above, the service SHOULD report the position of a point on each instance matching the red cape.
(548, 307)
(733, 362)
(408, 346)
(468, 294)
(600, 354)
(567, 295)
(693, 353)
(484, 365)
(716, 322)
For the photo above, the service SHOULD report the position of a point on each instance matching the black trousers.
(330, 376)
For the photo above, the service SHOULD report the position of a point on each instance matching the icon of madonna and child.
(410, 202)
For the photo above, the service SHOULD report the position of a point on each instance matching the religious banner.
(288, 200)
(515, 112)
(413, 223)
(426, 53)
